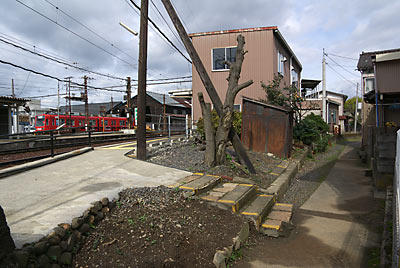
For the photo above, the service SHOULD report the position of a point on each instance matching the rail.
(396, 207)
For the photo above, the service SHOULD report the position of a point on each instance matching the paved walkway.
(331, 228)
(37, 200)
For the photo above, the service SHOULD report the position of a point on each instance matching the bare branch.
(237, 89)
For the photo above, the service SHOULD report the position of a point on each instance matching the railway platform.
(38, 200)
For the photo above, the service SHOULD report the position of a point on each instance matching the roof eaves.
(234, 31)
(280, 36)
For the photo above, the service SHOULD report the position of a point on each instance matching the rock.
(21, 258)
(65, 258)
(84, 228)
(91, 219)
(54, 252)
(242, 236)
(86, 215)
(94, 210)
(44, 261)
(228, 251)
(99, 217)
(72, 240)
(105, 210)
(6, 242)
(54, 240)
(30, 249)
(112, 205)
(76, 222)
(97, 205)
(65, 226)
(60, 232)
(104, 201)
(41, 247)
(220, 259)
(63, 246)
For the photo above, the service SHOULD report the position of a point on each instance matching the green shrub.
(237, 123)
(312, 129)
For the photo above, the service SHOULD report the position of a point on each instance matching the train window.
(57, 122)
(39, 121)
(47, 122)
(62, 121)
(80, 122)
(106, 122)
(53, 122)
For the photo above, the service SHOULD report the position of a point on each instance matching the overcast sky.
(343, 28)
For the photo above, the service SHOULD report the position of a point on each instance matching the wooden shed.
(267, 128)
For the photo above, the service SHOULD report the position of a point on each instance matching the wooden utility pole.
(356, 111)
(142, 72)
(128, 102)
(324, 112)
(164, 115)
(212, 92)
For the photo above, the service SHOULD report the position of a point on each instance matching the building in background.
(9, 114)
(268, 55)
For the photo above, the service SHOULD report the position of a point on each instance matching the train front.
(40, 122)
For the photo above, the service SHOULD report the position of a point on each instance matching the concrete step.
(238, 197)
(278, 221)
(258, 208)
(199, 183)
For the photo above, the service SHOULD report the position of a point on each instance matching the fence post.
(169, 126)
(187, 126)
(89, 138)
(52, 143)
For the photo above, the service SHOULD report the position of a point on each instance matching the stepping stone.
(259, 208)
(284, 216)
(201, 184)
(184, 181)
(239, 196)
(226, 187)
(273, 228)
(283, 207)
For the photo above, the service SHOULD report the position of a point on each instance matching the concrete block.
(283, 216)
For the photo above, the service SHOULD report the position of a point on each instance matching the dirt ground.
(158, 227)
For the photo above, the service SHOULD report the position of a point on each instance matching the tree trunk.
(209, 131)
(226, 118)
(6, 242)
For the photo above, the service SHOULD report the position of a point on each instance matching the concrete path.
(331, 228)
(37, 200)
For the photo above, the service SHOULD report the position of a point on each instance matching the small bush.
(312, 129)
(237, 123)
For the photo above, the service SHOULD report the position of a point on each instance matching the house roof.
(277, 33)
(309, 83)
(94, 108)
(168, 100)
(365, 60)
(12, 100)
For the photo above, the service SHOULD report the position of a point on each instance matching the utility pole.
(164, 115)
(356, 111)
(324, 86)
(86, 102)
(128, 101)
(205, 78)
(58, 104)
(12, 88)
(142, 72)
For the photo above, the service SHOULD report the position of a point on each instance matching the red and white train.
(97, 123)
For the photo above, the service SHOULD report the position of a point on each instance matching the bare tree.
(226, 117)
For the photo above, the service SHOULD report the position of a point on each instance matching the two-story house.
(268, 55)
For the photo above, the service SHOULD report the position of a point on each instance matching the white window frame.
(281, 63)
(212, 59)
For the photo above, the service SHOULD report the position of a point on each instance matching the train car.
(97, 123)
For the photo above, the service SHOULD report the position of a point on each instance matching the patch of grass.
(118, 204)
(131, 221)
(142, 218)
(119, 251)
(374, 257)
(235, 256)
(95, 243)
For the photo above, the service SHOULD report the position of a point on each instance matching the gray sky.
(344, 28)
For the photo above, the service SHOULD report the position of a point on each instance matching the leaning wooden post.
(212, 92)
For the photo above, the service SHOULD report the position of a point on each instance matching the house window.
(332, 116)
(369, 84)
(221, 55)
(237, 107)
(281, 63)
(295, 79)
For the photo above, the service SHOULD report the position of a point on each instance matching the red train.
(97, 123)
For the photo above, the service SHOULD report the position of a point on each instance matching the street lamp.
(128, 29)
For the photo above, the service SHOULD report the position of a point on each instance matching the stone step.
(278, 221)
(201, 184)
(259, 208)
(239, 196)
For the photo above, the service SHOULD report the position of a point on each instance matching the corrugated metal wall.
(388, 76)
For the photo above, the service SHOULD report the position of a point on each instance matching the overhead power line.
(90, 30)
(59, 61)
(344, 57)
(74, 33)
(344, 78)
(341, 66)
(161, 32)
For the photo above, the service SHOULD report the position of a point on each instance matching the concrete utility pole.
(324, 86)
(128, 102)
(356, 111)
(212, 92)
(12, 88)
(86, 102)
(142, 72)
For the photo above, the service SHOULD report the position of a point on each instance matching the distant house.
(334, 102)
(380, 72)
(268, 55)
(155, 108)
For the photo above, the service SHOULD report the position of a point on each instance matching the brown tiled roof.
(9, 100)
(365, 60)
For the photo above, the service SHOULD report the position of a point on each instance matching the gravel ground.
(310, 176)
(189, 156)
(158, 227)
